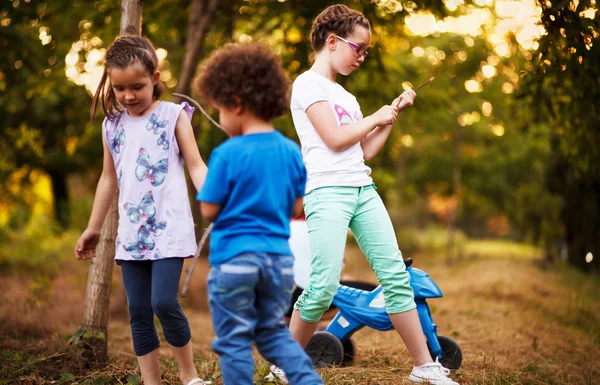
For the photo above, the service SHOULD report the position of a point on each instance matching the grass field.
(516, 321)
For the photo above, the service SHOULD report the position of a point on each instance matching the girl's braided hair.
(122, 53)
(336, 19)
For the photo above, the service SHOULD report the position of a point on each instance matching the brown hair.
(336, 19)
(249, 75)
(122, 53)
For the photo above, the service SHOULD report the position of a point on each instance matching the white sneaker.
(276, 373)
(198, 381)
(431, 373)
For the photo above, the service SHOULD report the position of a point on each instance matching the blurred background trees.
(512, 108)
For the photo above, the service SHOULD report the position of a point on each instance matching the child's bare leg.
(302, 331)
(185, 360)
(150, 368)
(407, 324)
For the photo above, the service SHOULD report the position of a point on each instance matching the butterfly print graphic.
(344, 117)
(118, 140)
(144, 210)
(154, 125)
(155, 228)
(143, 243)
(163, 141)
(156, 173)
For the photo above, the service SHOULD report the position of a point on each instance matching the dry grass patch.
(515, 322)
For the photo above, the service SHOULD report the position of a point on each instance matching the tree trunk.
(201, 15)
(61, 197)
(581, 218)
(131, 17)
(93, 332)
(456, 186)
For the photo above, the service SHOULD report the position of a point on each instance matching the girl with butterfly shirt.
(145, 144)
(336, 140)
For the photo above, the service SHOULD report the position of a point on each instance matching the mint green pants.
(330, 211)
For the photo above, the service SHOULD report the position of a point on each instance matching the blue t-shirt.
(256, 179)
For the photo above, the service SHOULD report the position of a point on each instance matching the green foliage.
(564, 82)
(563, 92)
(80, 209)
(45, 124)
(548, 141)
(434, 240)
(36, 248)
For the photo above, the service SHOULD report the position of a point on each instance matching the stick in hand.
(202, 110)
(190, 269)
(424, 84)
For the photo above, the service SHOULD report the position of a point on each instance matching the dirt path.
(516, 323)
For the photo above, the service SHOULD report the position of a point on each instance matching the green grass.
(580, 311)
(434, 239)
(502, 249)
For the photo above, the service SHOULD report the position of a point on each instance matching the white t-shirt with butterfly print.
(325, 167)
(155, 219)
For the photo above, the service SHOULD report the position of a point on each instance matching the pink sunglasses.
(359, 50)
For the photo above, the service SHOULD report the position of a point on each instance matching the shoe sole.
(419, 380)
(273, 378)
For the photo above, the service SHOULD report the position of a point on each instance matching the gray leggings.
(152, 288)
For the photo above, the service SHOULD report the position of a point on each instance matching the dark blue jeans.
(248, 297)
(152, 288)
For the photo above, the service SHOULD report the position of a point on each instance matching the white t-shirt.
(325, 167)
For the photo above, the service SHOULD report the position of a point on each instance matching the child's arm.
(340, 138)
(216, 187)
(189, 149)
(298, 207)
(374, 140)
(105, 193)
(210, 211)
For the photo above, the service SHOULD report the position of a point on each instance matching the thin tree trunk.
(201, 16)
(61, 197)
(131, 17)
(93, 332)
(456, 186)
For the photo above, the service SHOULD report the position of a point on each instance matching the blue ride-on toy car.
(359, 308)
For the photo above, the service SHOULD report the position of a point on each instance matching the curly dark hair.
(123, 52)
(247, 74)
(336, 19)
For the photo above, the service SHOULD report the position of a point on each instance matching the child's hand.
(385, 116)
(86, 245)
(405, 100)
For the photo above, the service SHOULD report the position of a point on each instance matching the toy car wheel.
(451, 353)
(325, 349)
(349, 351)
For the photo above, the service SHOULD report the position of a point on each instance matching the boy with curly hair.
(255, 183)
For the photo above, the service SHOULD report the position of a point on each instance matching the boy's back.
(256, 179)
